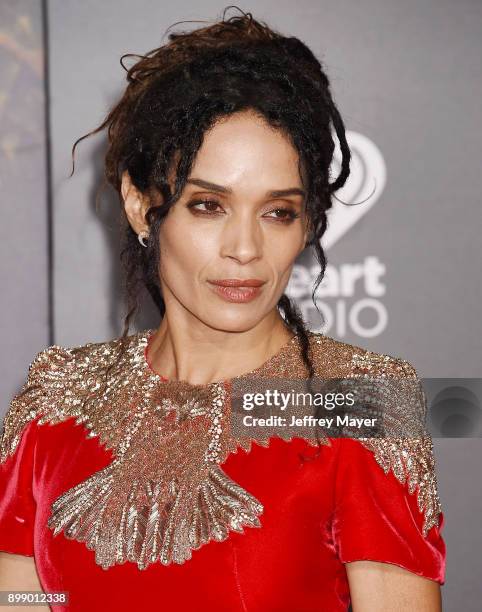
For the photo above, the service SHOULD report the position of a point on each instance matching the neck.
(200, 354)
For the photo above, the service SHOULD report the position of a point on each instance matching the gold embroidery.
(169, 439)
(410, 458)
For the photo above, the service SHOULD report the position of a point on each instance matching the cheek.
(184, 250)
(282, 253)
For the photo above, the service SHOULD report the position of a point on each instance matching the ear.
(136, 204)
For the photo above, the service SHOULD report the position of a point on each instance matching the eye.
(287, 215)
(281, 214)
(210, 207)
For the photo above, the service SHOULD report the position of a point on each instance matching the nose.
(241, 239)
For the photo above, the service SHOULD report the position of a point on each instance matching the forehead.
(243, 148)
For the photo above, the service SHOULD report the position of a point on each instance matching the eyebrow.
(279, 193)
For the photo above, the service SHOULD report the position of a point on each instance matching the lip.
(237, 290)
(238, 282)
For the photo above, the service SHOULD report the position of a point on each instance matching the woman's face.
(241, 216)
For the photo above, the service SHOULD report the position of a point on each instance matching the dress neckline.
(268, 366)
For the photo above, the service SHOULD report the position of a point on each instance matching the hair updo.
(177, 91)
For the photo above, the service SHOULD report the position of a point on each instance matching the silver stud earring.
(142, 236)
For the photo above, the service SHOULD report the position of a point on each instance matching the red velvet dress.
(319, 513)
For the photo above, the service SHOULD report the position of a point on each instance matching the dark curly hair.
(177, 91)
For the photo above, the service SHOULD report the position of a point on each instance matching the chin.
(233, 322)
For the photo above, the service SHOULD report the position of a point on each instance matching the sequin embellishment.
(169, 440)
(410, 458)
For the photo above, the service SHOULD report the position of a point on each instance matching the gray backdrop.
(407, 80)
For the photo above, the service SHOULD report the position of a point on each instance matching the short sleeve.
(44, 390)
(17, 503)
(376, 518)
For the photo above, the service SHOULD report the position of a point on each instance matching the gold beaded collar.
(169, 439)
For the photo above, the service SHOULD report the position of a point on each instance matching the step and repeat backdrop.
(403, 272)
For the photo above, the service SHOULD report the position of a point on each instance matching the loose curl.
(178, 91)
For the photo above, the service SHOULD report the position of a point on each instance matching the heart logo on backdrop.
(368, 175)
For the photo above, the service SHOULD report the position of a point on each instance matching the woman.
(122, 483)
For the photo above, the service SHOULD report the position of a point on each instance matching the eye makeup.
(289, 213)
